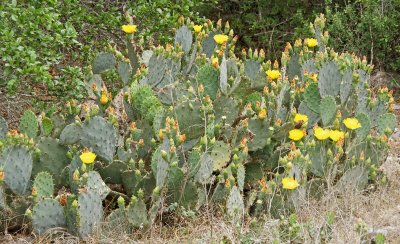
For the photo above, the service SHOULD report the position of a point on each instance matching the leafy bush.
(195, 138)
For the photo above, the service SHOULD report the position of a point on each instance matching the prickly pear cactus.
(103, 62)
(43, 186)
(90, 212)
(29, 124)
(16, 162)
(47, 214)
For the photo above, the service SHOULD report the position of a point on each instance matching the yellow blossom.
(289, 183)
(336, 135)
(351, 123)
(300, 117)
(296, 134)
(312, 42)
(197, 28)
(87, 157)
(220, 39)
(262, 114)
(314, 76)
(321, 134)
(273, 74)
(215, 62)
(129, 29)
(104, 98)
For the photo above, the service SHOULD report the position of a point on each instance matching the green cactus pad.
(327, 110)
(17, 164)
(133, 183)
(117, 222)
(261, 134)
(159, 165)
(112, 173)
(308, 66)
(176, 179)
(189, 196)
(53, 158)
(312, 98)
(101, 136)
(96, 184)
(71, 134)
(184, 38)
(229, 70)
(137, 214)
(124, 71)
(355, 178)
(241, 174)
(319, 160)
(193, 163)
(43, 185)
(90, 210)
(29, 124)
(208, 76)
(234, 204)
(220, 154)
(346, 87)
(97, 81)
(3, 128)
(386, 122)
(226, 106)
(47, 126)
(254, 172)
(363, 131)
(144, 102)
(294, 67)
(132, 55)
(329, 79)
(252, 69)
(190, 119)
(47, 214)
(103, 62)
(206, 168)
(209, 44)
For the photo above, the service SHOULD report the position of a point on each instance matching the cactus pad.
(44, 186)
(220, 154)
(96, 184)
(137, 214)
(386, 122)
(29, 124)
(206, 168)
(312, 98)
(103, 62)
(47, 214)
(90, 212)
(328, 110)
(208, 76)
(329, 79)
(17, 164)
(234, 204)
(184, 38)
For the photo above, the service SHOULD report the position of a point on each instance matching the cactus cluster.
(196, 125)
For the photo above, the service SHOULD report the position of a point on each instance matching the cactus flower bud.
(134, 199)
(28, 213)
(164, 154)
(156, 191)
(121, 202)
(137, 173)
(160, 134)
(74, 204)
(140, 193)
(76, 175)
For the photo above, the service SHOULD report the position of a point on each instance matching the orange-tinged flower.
(129, 29)
(336, 135)
(321, 134)
(87, 157)
(289, 183)
(296, 134)
(273, 74)
(351, 123)
(103, 98)
(262, 114)
(220, 39)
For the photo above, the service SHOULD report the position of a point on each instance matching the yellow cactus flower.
(351, 123)
(262, 114)
(300, 118)
(321, 134)
(289, 183)
(273, 74)
(220, 39)
(87, 157)
(296, 134)
(314, 76)
(197, 28)
(103, 98)
(336, 135)
(129, 29)
(312, 42)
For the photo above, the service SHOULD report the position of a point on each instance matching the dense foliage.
(193, 126)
